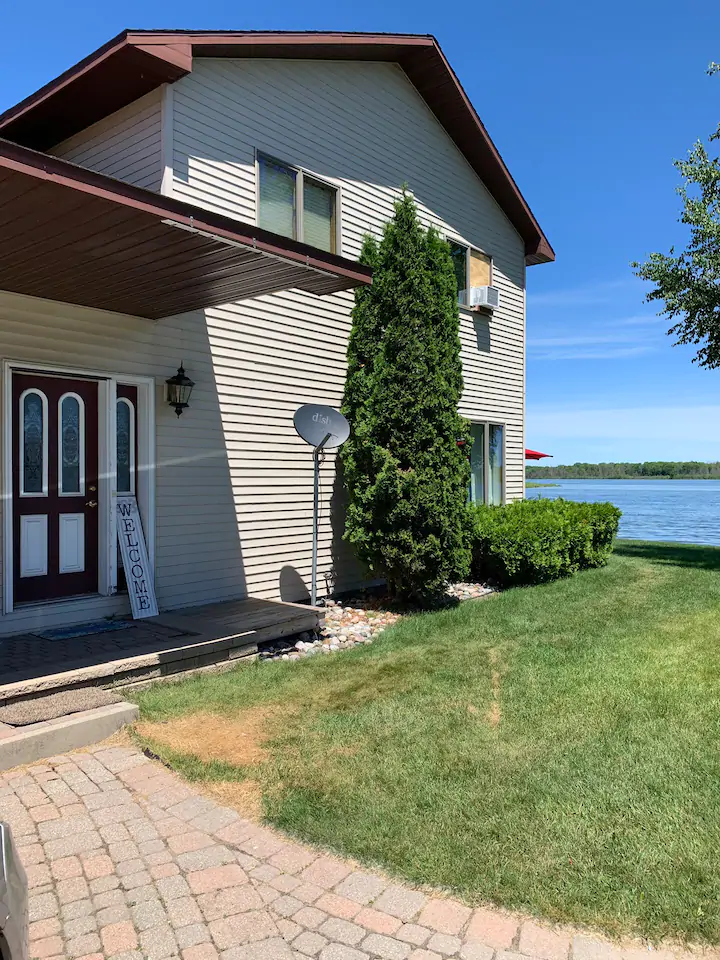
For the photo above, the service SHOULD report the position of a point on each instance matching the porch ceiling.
(69, 234)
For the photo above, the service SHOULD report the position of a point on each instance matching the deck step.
(187, 640)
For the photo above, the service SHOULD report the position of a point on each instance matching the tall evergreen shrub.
(407, 477)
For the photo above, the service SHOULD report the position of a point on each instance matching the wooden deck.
(189, 639)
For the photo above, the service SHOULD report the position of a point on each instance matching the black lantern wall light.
(178, 390)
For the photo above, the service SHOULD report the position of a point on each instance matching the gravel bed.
(356, 621)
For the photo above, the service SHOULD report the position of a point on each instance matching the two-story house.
(201, 198)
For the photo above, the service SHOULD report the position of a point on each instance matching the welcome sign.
(135, 559)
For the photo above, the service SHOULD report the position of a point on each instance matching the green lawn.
(553, 749)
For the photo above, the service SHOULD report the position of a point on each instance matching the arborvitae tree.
(407, 477)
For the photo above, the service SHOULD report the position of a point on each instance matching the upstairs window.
(295, 204)
(472, 269)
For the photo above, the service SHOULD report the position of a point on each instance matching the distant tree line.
(660, 469)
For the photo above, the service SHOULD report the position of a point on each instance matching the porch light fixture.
(178, 390)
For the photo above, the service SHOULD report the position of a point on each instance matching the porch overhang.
(76, 236)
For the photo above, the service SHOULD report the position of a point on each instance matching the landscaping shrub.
(534, 541)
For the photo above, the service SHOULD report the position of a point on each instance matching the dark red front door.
(55, 486)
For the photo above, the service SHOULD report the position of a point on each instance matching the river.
(686, 511)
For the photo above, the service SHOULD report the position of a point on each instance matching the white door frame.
(107, 392)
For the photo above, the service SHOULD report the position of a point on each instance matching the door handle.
(91, 503)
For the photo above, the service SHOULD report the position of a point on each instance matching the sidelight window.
(33, 444)
(125, 440)
(71, 445)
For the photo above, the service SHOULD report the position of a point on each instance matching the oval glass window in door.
(71, 445)
(33, 444)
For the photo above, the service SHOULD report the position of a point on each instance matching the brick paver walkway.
(125, 861)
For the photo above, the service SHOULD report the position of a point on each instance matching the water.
(687, 511)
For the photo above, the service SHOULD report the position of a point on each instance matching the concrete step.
(21, 745)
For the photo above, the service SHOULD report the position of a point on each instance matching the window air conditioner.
(484, 298)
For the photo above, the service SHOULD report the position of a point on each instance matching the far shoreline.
(553, 483)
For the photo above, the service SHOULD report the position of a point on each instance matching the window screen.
(318, 215)
(496, 466)
(459, 255)
(477, 463)
(277, 198)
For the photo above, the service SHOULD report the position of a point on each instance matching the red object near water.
(535, 455)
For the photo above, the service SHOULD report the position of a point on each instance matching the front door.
(55, 486)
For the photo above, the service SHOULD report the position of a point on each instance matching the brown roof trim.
(138, 61)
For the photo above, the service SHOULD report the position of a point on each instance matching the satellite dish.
(314, 422)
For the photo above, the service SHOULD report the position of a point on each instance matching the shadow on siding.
(200, 554)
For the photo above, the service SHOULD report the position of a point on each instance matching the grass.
(529, 485)
(553, 749)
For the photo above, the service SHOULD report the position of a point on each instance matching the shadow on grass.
(671, 554)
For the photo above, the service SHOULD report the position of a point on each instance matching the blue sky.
(589, 105)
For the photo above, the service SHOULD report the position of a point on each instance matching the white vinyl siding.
(363, 128)
(234, 481)
(125, 145)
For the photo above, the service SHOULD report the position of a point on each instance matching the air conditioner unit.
(484, 298)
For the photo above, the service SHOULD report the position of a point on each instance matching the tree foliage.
(406, 476)
(655, 469)
(689, 283)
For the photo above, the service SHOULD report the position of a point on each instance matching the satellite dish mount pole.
(316, 514)
(319, 425)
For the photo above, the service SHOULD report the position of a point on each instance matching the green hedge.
(533, 541)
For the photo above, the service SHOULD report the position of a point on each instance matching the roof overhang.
(138, 61)
(80, 237)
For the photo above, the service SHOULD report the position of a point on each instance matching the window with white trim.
(487, 463)
(296, 204)
(473, 268)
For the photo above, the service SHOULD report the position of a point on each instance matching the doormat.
(85, 629)
(56, 705)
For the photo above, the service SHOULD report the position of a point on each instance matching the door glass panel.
(34, 466)
(125, 433)
(477, 463)
(496, 472)
(72, 445)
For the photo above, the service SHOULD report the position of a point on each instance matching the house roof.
(81, 237)
(138, 61)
